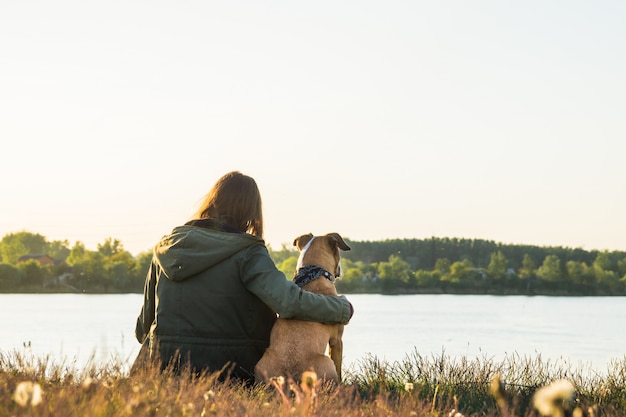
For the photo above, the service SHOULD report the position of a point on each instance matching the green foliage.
(283, 254)
(32, 273)
(110, 247)
(442, 265)
(12, 249)
(550, 270)
(461, 272)
(140, 272)
(497, 266)
(527, 270)
(580, 274)
(439, 265)
(396, 268)
(9, 276)
(15, 245)
(288, 266)
(108, 269)
(76, 253)
(58, 249)
(427, 279)
(621, 267)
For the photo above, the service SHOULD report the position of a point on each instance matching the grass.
(435, 386)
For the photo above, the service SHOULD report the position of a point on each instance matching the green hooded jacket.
(211, 298)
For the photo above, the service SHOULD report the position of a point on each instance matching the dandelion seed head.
(28, 393)
(496, 388)
(209, 395)
(554, 398)
(189, 408)
(88, 384)
(309, 381)
(309, 377)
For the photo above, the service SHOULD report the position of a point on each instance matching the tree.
(58, 249)
(527, 271)
(89, 270)
(77, 253)
(603, 261)
(460, 271)
(284, 253)
(604, 275)
(288, 266)
(395, 273)
(110, 247)
(32, 273)
(442, 265)
(497, 266)
(621, 267)
(550, 270)
(426, 279)
(580, 273)
(395, 269)
(11, 250)
(142, 265)
(117, 275)
(352, 272)
(352, 276)
(33, 242)
(9, 276)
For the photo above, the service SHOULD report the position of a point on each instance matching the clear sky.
(374, 119)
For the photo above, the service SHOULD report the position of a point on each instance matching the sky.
(373, 119)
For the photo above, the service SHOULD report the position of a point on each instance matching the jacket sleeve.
(146, 315)
(262, 278)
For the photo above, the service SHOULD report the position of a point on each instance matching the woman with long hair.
(213, 293)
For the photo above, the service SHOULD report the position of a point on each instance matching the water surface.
(582, 331)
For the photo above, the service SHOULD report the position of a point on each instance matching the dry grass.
(435, 386)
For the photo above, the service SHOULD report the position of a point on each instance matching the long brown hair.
(235, 200)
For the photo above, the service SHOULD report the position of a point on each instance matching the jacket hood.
(188, 250)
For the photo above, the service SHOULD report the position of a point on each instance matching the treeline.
(435, 265)
(474, 266)
(30, 263)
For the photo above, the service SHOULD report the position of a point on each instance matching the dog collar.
(310, 273)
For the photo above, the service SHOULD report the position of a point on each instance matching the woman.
(212, 292)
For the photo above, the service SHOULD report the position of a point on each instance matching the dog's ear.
(301, 241)
(337, 240)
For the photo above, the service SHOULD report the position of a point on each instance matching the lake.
(585, 332)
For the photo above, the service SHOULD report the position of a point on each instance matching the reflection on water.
(584, 332)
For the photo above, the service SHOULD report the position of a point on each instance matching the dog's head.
(322, 251)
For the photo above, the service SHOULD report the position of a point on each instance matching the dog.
(297, 346)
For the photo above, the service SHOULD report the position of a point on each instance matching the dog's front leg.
(336, 350)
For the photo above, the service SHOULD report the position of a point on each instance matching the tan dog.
(297, 346)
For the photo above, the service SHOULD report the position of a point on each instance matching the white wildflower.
(555, 398)
(309, 381)
(209, 395)
(28, 393)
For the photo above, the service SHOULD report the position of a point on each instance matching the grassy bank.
(417, 386)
